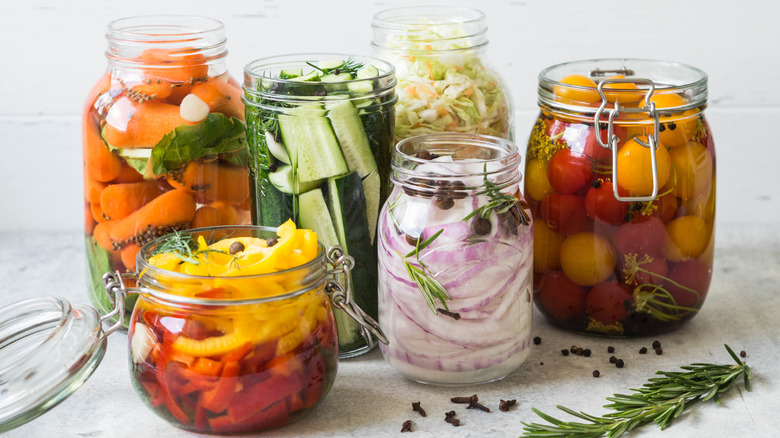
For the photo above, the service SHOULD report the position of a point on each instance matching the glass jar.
(445, 83)
(320, 130)
(621, 173)
(243, 351)
(164, 141)
(455, 256)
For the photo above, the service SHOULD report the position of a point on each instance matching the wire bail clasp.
(612, 139)
(341, 296)
(116, 291)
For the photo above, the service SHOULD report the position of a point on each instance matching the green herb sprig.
(660, 400)
(430, 288)
(184, 247)
(349, 66)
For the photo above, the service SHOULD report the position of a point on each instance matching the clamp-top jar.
(621, 174)
(164, 141)
(445, 83)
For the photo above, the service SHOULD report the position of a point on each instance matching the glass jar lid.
(48, 349)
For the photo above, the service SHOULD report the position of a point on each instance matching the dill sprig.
(184, 247)
(654, 299)
(430, 288)
(349, 66)
(660, 401)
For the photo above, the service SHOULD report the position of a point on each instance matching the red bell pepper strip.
(167, 398)
(238, 353)
(206, 367)
(218, 399)
(274, 415)
(259, 397)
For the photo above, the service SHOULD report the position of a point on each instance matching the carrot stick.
(97, 212)
(175, 65)
(92, 190)
(171, 208)
(99, 162)
(102, 233)
(119, 200)
(214, 181)
(128, 175)
(221, 97)
(128, 254)
(89, 221)
(149, 123)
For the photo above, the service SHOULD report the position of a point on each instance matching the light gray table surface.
(370, 399)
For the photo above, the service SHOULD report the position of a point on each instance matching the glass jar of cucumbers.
(320, 133)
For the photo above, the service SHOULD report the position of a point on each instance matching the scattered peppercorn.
(236, 247)
(612, 359)
(407, 426)
(481, 226)
(659, 351)
(596, 373)
(541, 363)
(643, 350)
(619, 363)
(416, 407)
(271, 241)
(537, 340)
(504, 405)
(656, 344)
(565, 352)
(444, 203)
(742, 353)
(586, 352)
(610, 349)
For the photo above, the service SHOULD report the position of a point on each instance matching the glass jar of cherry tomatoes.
(620, 175)
(163, 141)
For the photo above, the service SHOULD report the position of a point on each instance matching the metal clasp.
(341, 296)
(612, 139)
(116, 291)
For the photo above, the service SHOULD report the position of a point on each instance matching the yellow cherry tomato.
(676, 129)
(693, 170)
(537, 185)
(587, 258)
(623, 97)
(635, 173)
(547, 248)
(688, 238)
(577, 88)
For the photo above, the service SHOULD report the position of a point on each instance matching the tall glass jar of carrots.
(164, 141)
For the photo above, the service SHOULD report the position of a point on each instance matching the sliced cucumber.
(352, 137)
(275, 206)
(341, 77)
(311, 143)
(314, 215)
(283, 180)
(330, 65)
(311, 77)
(371, 185)
(276, 149)
(366, 72)
(290, 73)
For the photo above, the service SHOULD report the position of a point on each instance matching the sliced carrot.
(128, 254)
(128, 175)
(150, 122)
(214, 181)
(221, 97)
(102, 233)
(100, 163)
(92, 189)
(171, 208)
(89, 221)
(175, 65)
(150, 89)
(119, 200)
(178, 93)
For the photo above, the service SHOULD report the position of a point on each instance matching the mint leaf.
(216, 135)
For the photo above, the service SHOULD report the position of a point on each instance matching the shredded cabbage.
(442, 88)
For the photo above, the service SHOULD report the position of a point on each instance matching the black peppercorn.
(444, 203)
(271, 241)
(423, 155)
(742, 353)
(481, 226)
(236, 247)
(565, 352)
(411, 240)
(610, 349)
(586, 352)
(643, 350)
(659, 351)
(537, 340)
(619, 363)
(656, 344)
(596, 373)
(612, 359)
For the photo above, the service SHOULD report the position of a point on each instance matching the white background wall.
(53, 53)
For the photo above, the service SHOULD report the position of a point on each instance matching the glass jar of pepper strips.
(621, 177)
(163, 141)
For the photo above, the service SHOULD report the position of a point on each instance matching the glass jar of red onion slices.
(455, 260)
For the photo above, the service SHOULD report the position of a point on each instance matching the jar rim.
(390, 19)
(128, 28)
(145, 269)
(261, 78)
(668, 78)
(421, 29)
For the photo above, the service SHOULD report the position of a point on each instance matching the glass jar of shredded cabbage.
(445, 83)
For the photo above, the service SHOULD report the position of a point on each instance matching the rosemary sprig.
(430, 288)
(660, 400)
(499, 202)
(349, 66)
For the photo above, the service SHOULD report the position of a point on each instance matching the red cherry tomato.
(656, 270)
(560, 297)
(642, 236)
(601, 205)
(693, 274)
(606, 302)
(564, 213)
(592, 147)
(568, 171)
(555, 128)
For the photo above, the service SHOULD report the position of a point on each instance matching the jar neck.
(456, 162)
(166, 42)
(430, 28)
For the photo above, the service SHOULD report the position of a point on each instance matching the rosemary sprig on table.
(430, 288)
(660, 400)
